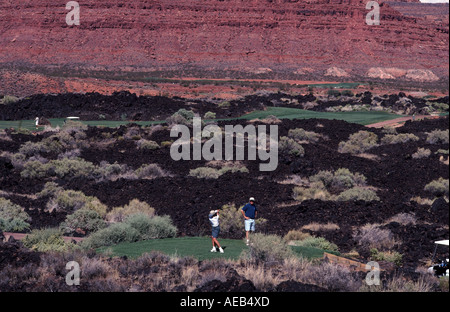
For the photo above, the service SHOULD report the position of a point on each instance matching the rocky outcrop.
(212, 38)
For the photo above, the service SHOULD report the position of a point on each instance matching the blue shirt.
(249, 210)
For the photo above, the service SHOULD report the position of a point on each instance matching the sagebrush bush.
(390, 256)
(296, 235)
(300, 134)
(438, 187)
(119, 214)
(70, 201)
(359, 142)
(289, 146)
(230, 219)
(152, 227)
(341, 179)
(136, 227)
(438, 137)
(316, 190)
(268, 248)
(147, 144)
(12, 217)
(85, 220)
(358, 193)
(210, 115)
(421, 153)
(150, 171)
(45, 240)
(399, 138)
(372, 236)
(316, 242)
(213, 173)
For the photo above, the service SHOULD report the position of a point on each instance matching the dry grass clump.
(403, 218)
(316, 227)
(373, 236)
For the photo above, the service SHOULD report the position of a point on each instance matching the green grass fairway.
(363, 118)
(197, 247)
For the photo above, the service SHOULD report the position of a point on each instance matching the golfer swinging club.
(249, 212)
(214, 219)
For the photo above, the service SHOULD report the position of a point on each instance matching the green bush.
(390, 256)
(34, 169)
(231, 220)
(289, 146)
(300, 134)
(150, 171)
(119, 214)
(86, 220)
(438, 137)
(268, 248)
(421, 153)
(341, 179)
(12, 217)
(399, 138)
(147, 144)
(316, 242)
(359, 142)
(210, 115)
(152, 227)
(113, 234)
(135, 228)
(70, 201)
(316, 190)
(62, 168)
(358, 193)
(213, 173)
(438, 187)
(45, 240)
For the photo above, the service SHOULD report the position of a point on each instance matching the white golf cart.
(439, 267)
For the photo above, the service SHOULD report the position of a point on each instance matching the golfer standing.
(249, 212)
(214, 220)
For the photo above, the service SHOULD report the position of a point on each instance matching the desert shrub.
(44, 240)
(289, 146)
(358, 193)
(136, 227)
(9, 99)
(390, 256)
(107, 171)
(230, 219)
(205, 173)
(300, 134)
(210, 115)
(296, 235)
(85, 220)
(150, 171)
(34, 169)
(438, 187)
(12, 217)
(182, 117)
(70, 200)
(316, 190)
(151, 227)
(315, 227)
(340, 179)
(438, 137)
(359, 142)
(113, 234)
(49, 190)
(404, 218)
(45, 146)
(213, 173)
(147, 144)
(372, 236)
(119, 214)
(421, 153)
(316, 242)
(73, 168)
(267, 248)
(399, 138)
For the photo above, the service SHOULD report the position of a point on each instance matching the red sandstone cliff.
(312, 38)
